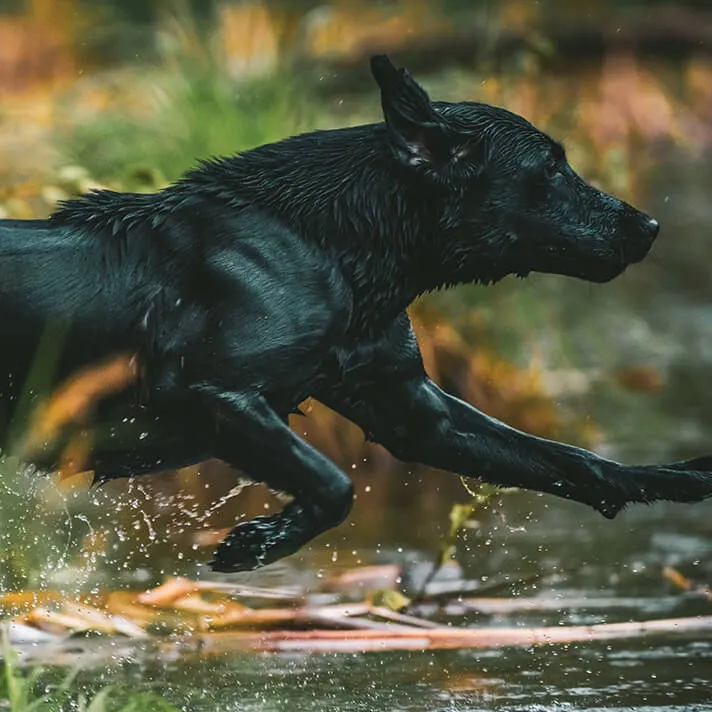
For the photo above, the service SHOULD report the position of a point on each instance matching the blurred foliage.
(39, 690)
(22, 690)
(193, 111)
(462, 518)
(199, 116)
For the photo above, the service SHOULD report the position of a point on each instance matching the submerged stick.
(357, 641)
(95, 651)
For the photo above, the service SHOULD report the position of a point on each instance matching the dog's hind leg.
(142, 441)
(126, 461)
(253, 438)
(160, 456)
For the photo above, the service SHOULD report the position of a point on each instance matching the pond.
(668, 677)
(615, 566)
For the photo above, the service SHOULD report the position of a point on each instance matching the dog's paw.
(256, 543)
(620, 485)
(609, 509)
(688, 481)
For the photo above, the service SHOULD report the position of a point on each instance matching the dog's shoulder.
(276, 303)
(264, 267)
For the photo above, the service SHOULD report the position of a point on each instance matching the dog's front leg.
(253, 438)
(418, 422)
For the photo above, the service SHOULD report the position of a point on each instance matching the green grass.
(38, 690)
(35, 531)
(196, 112)
(191, 109)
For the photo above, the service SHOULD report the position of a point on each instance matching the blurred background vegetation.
(128, 94)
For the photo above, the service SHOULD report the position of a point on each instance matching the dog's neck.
(343, 191)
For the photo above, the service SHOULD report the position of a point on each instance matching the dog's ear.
(419, 132)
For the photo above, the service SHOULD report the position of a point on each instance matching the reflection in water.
(585, 678)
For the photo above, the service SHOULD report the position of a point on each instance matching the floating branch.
(359, 641)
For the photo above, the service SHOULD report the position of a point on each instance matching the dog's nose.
(653, 227)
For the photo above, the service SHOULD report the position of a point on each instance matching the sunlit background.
(128, 94)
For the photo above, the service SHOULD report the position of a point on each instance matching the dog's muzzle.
(639, 232)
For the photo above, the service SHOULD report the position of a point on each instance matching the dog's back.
(70, 290)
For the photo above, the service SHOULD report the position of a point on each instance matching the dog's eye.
(552, 169)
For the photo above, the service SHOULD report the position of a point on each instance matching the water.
(581, 556)
(667, 677)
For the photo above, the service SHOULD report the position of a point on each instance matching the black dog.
(285, 272)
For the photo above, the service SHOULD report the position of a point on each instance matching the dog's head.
(510, 202)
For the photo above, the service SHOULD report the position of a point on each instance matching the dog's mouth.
(603, 273)
(552, 259)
